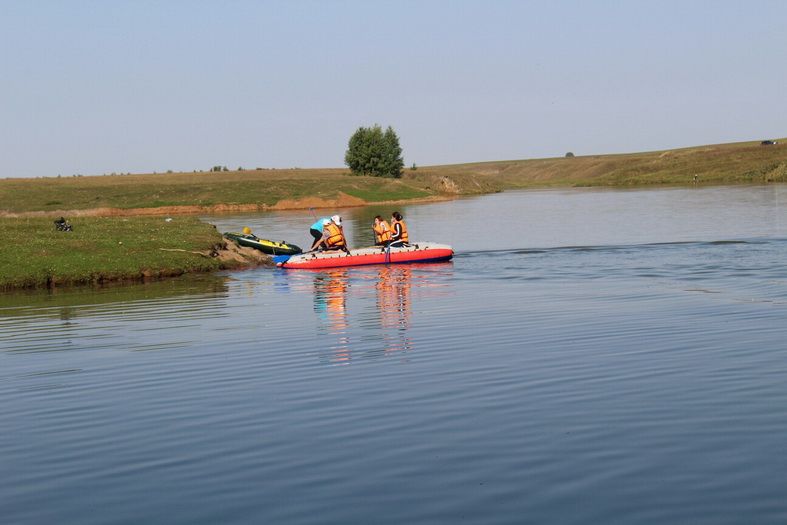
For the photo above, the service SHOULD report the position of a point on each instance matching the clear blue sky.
(102, 86)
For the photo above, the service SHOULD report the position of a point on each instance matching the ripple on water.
(603, 382)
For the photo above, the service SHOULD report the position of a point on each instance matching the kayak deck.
(264, 245)
(413, 253)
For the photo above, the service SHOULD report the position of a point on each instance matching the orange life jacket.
(382, 232)
(335, 236)
(403, 226)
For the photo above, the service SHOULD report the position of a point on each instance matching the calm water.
(588, 357)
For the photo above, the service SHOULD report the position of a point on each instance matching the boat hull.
(264, 245)
(415, 253)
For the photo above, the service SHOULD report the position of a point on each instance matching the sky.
(92, 87)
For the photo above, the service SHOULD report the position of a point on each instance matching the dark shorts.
(317, 234)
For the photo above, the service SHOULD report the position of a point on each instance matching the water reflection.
(381, 308)
(129, 316)
(330, 305)
(394, 306)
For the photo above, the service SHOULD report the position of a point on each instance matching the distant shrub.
(371, 151)
(569, 155)
(413, 167)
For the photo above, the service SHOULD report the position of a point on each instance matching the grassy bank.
(745, 162)
(263, 188)
(102, 249)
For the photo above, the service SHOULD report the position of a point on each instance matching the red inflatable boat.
(421, 252)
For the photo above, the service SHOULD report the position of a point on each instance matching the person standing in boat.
(382, 232)
(399, 235)
(316, 230)
(333, 236)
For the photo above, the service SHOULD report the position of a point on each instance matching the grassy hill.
(744, 162)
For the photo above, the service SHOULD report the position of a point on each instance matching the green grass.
(386, 190)
(744, 162)
(262, 188)
(101, 249)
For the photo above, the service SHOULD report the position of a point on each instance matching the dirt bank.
(232, 255)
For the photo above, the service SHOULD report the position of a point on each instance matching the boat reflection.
(394, 306)
(330, 305)
(367, 312)
(390, 311)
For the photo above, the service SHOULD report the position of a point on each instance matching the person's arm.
(322, 240)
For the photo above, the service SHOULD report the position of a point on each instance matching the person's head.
(337, 220)
(396, 216)
(246, 230)
(378, 219)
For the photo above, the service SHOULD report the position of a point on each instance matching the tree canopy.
(374, 152)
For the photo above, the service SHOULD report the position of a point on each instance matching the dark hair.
(378, 217)
(396, 215)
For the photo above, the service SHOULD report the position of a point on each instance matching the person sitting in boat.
(398, 230)
(316, 230)
(333, 236)
(382, 232)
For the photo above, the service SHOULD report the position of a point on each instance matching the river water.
(589, 356)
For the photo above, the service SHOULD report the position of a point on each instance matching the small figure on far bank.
(333, 236)
(316, 230)
(399, 235)
(382, 232)
(696, 178)
(62, 225)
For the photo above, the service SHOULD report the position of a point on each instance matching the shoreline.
(104, 250)
(263, 190)
(344, 201)
(307, 203)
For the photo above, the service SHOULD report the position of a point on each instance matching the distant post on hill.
(374, 152)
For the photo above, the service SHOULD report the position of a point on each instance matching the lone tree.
(374, 152)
